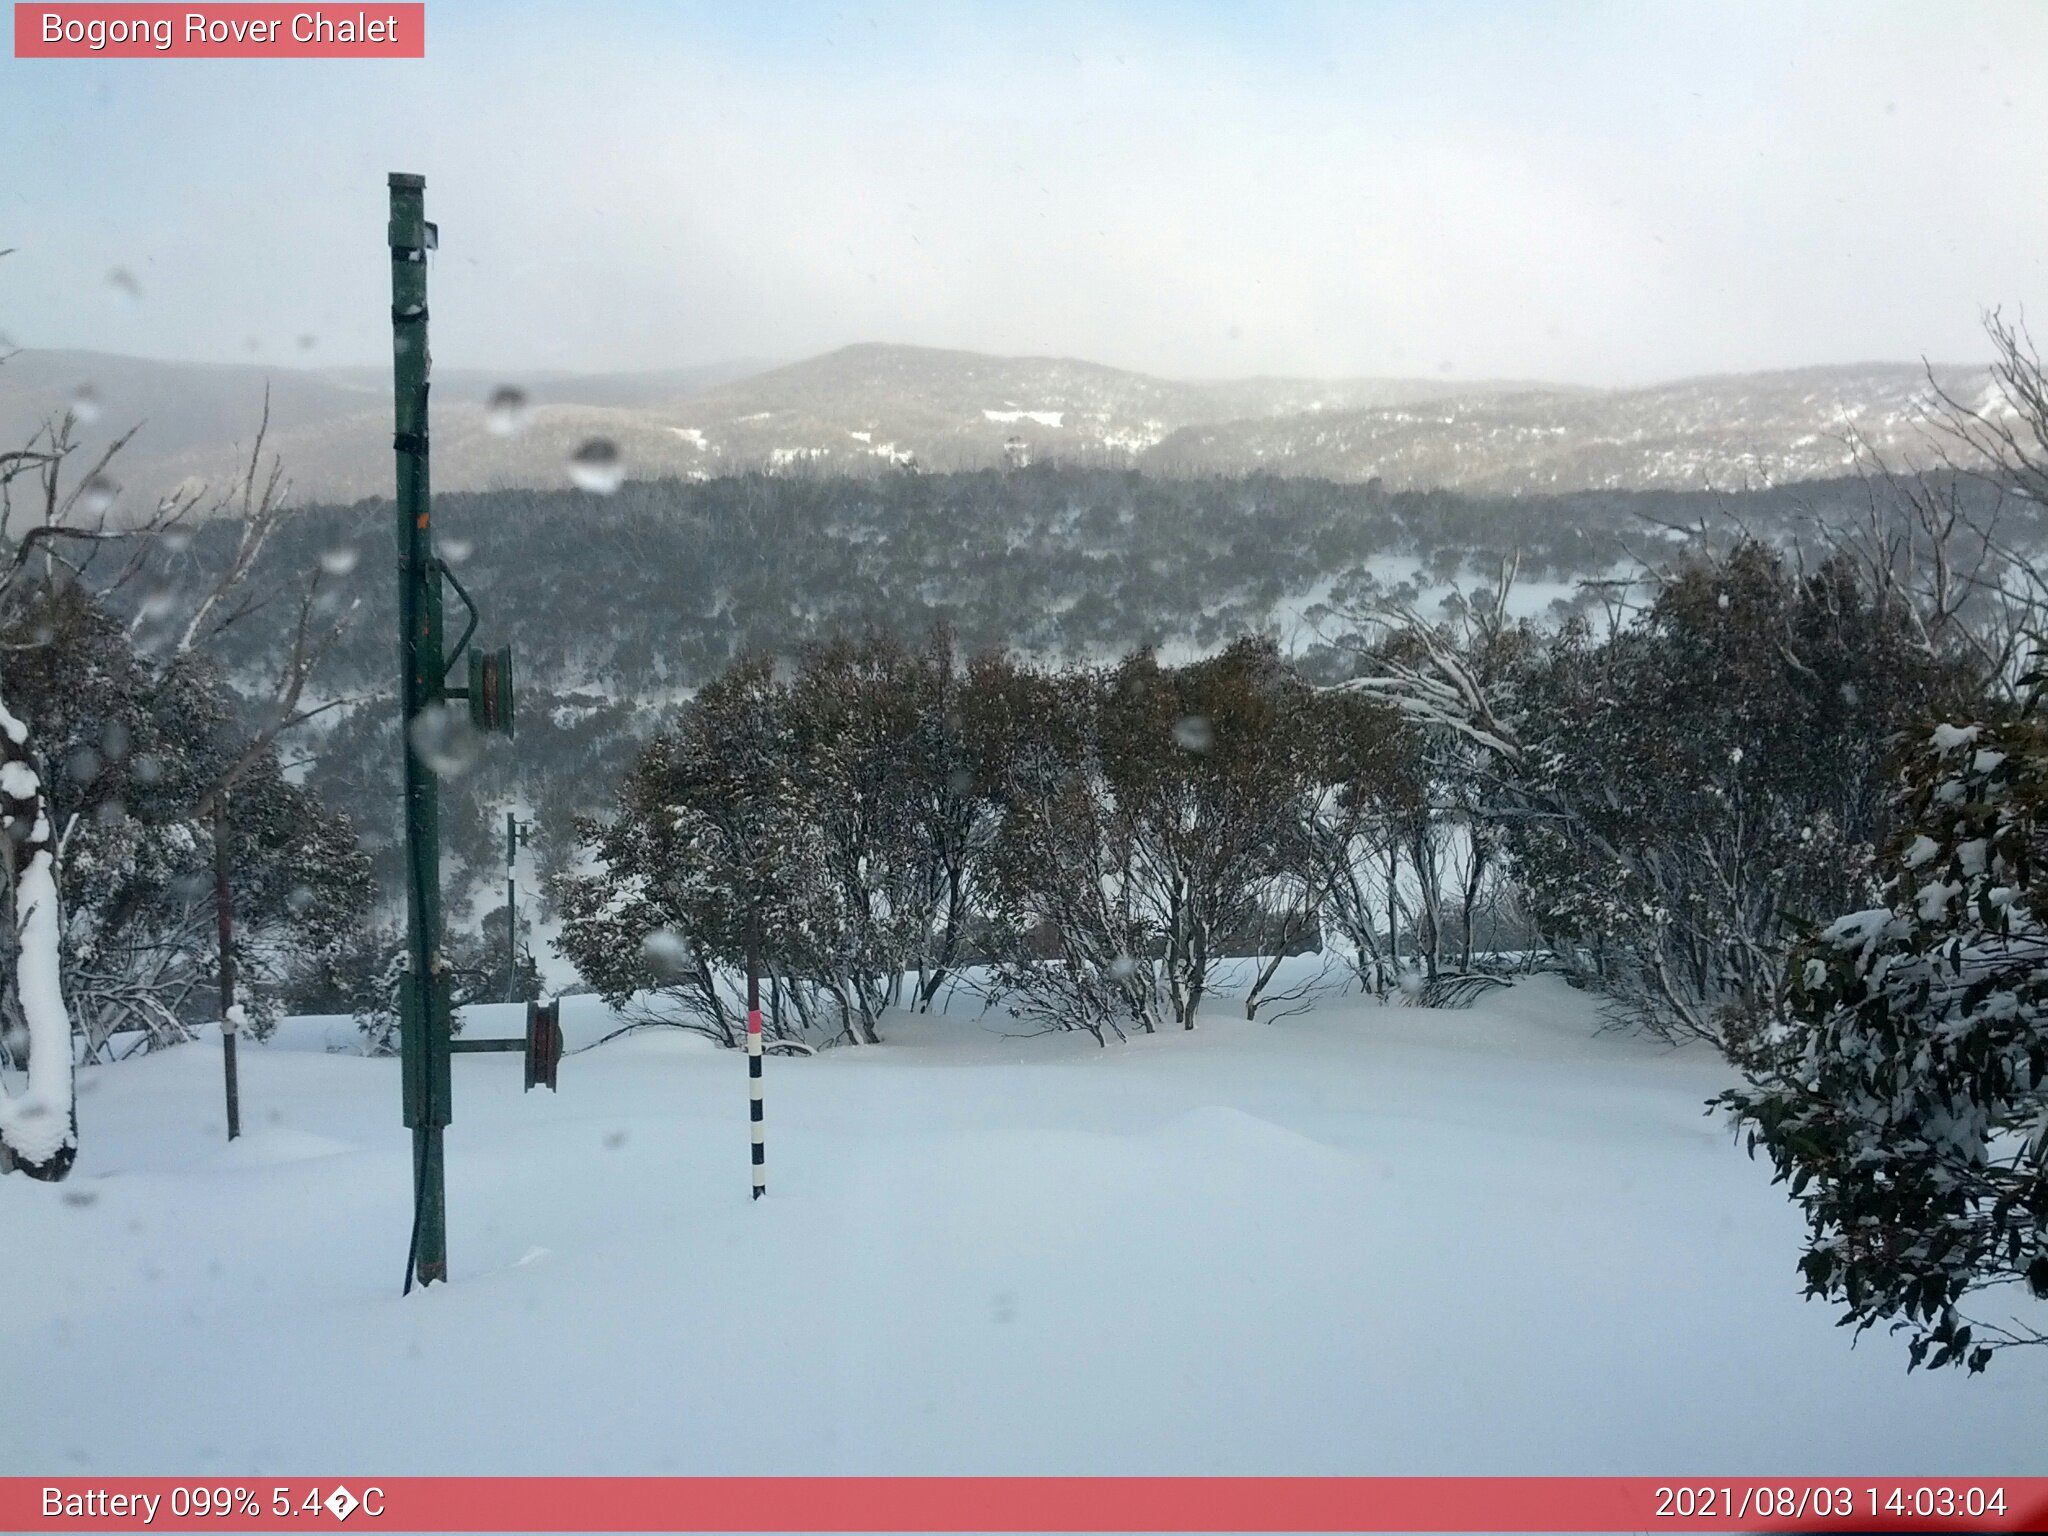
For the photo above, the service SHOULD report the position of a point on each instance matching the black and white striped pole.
(754, 1043)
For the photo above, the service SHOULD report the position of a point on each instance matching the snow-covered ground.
(1360, 1240)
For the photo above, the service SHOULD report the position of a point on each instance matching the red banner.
(102, 31)
(1026, 1504)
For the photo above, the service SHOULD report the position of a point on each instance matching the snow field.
(1360, 1240)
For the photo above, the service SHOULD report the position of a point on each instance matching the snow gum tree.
(1722, 767)
(122, 738)
(1675, 800)
(1072, 939)
(38, 1123)
(1154, 819)
(686, 865)
(880, 749)
(1206, 765)
(128, 748)
(826, 822)
(1434, 772)
(1365, 796)
(838, 820)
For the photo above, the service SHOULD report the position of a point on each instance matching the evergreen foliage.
(1905, 1098)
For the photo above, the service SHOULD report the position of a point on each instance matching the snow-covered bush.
(1073, 944)
(1153, 820)
(1906, 1100)
(1725, 765)
(1676, 799)
(827, 822)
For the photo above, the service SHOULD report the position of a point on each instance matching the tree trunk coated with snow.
(38, 1123)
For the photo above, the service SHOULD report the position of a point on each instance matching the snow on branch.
(1441, 683)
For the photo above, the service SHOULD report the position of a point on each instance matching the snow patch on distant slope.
(1135, 439)
(1043, 418)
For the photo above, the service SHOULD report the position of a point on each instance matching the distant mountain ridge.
(878, 404)
(1751, 431)
(876, 408)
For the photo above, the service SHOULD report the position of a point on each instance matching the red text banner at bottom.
(1024, 1504)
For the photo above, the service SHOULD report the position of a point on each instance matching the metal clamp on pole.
(490, 691)
(543, 1044)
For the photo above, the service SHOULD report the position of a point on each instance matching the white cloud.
(1597, 193)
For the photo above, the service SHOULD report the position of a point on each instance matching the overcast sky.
(1573, 191)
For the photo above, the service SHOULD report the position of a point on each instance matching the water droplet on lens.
(122, 281)
(444, 740)
(665, 950)
(1193, 733)
(505, 413)
(455, 551)
(177, 540)
(339, 560)
(85, 404)
(299, 898)
(114, 740)
(596, 467)
(83, 765)
(98, 493)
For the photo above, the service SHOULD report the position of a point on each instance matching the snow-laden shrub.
(1905, 1102)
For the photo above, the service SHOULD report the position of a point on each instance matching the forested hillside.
(619, 606)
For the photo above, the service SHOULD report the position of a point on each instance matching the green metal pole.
(423, 1022)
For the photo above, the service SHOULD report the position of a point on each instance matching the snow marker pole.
(754, 1043)
(512, 842)
(224, 920)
